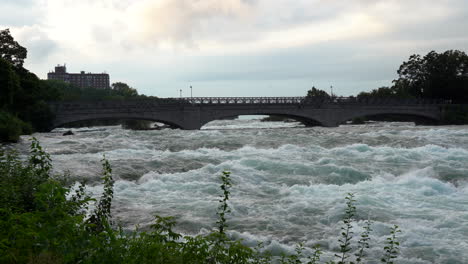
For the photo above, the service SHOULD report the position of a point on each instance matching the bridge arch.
(60, 123)
(305, 120)
(419, 118)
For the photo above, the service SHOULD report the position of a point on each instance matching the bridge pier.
(191, 119)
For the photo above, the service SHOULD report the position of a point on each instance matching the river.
(289, 182)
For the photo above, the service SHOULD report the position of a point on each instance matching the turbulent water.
(289, 182)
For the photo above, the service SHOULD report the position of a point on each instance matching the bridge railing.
(241, 100)
(309, 100)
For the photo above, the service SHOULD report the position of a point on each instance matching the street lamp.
(180, 93)
(191, 95)
(331, 89)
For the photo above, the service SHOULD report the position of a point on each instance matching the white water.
(289, 182)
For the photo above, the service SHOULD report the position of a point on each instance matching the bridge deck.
(194, 112)
(141, 102)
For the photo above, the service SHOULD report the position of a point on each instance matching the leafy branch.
(393, 246)
(347, 234)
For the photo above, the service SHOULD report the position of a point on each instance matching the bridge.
(193, 113)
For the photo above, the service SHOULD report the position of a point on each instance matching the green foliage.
(223, 208)
(364, 241)
(346, 230)
(393, 246)
(315, 257)
(102, 214)
(37, 222)
(10, 50)
(69, 92)
(396, 91)
(314, 92)
(436, 75)
(39, 160)
(122, 89)
(19, 183)
(294, 258)
(12, 127)
(22, 94)
(9, 84)
(44, 220)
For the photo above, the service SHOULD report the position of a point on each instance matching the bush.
(12, 127)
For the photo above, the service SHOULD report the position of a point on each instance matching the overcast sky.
(235, 47)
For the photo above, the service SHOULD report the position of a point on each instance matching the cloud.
(359, 43)
(36, 41)
(217, 27)
(184, 21)
(20, 13)
(102, 33)
(239, 26)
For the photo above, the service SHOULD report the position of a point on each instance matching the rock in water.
(68, 133)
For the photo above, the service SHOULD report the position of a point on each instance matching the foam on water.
(289, 183)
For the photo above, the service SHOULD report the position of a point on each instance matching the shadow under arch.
(417, 119)
(306, 121)
(101, 121)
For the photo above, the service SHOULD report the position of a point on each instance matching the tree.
(9, 84)
(314, 92)
(436, 75)
(124, 90)
(10, 50)
(385, 92)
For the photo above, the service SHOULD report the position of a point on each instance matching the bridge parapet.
(309, 100)
(241, 100)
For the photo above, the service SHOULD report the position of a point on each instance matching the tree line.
(433, 76)
(24, 97)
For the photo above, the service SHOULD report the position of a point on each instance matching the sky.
(235, 47)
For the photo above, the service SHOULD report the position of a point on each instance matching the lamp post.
(191, 94)
(331, 91)
(180, 93)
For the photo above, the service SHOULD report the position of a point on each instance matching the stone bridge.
(193, 113)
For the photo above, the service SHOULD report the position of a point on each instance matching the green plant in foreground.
(364, 241)
(393, 246)
(223, 208)
(294, 258)
(102, 213)
(346, 231)
(315, 258)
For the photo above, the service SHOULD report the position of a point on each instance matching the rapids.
(289, 182)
